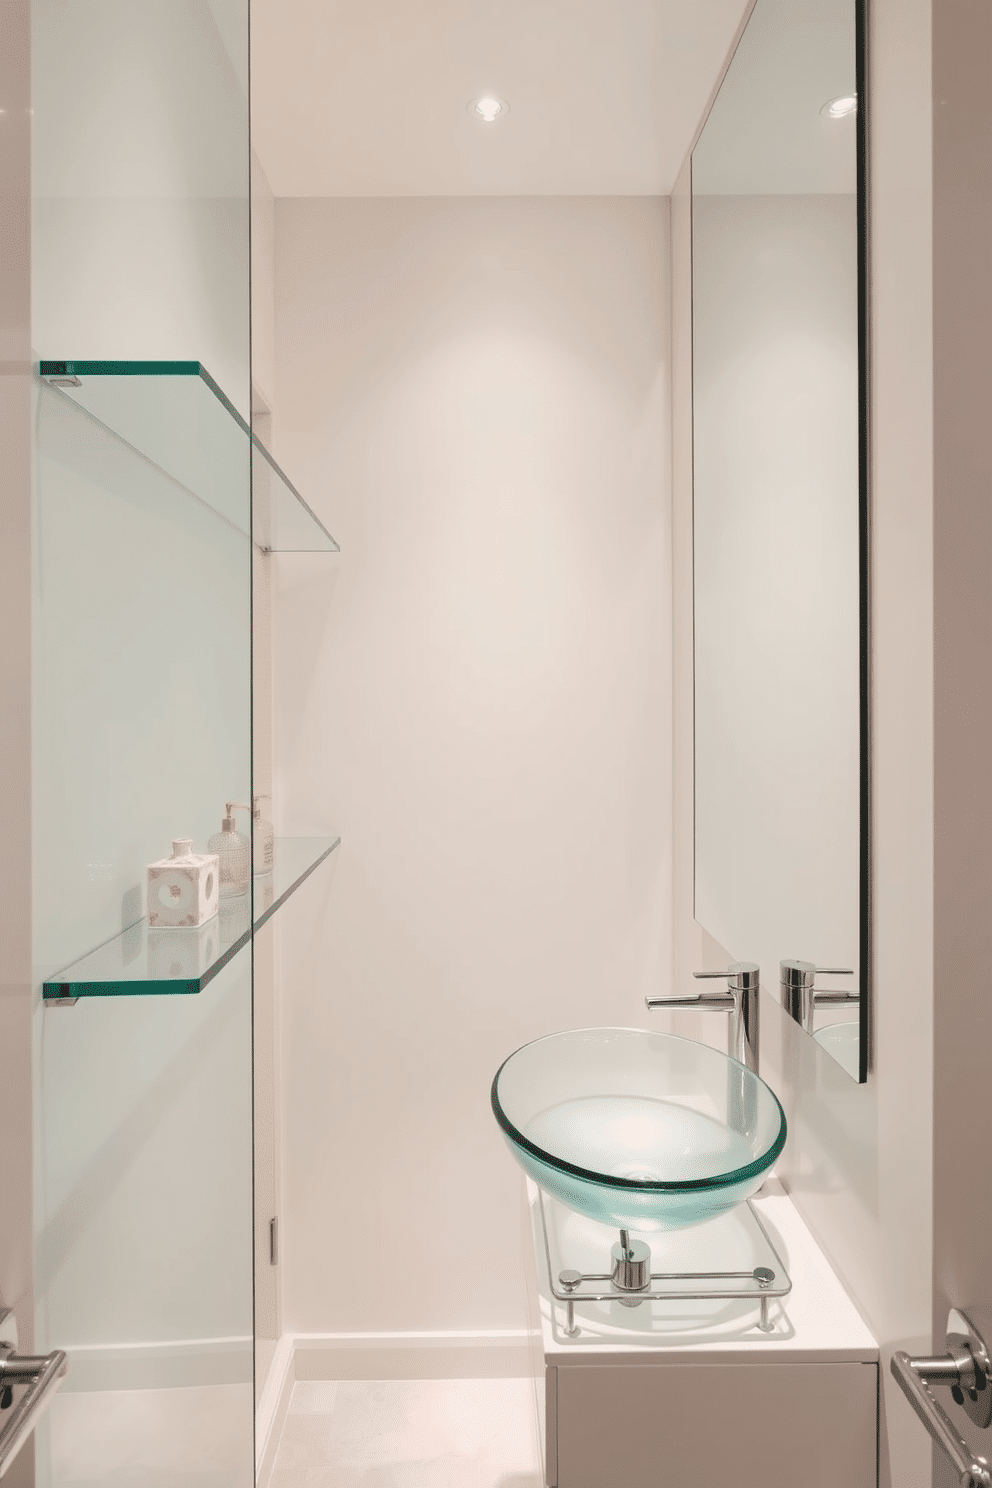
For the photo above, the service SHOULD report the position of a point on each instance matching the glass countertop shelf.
(176, 416)
(146, 962)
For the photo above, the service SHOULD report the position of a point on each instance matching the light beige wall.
(474, 395)
(15, 685)
(263, 284)
(858, 1161)
(962, 84)
(268, 1323)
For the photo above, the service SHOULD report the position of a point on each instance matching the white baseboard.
(495, 1354)
(273, 1407)
(161, 1365)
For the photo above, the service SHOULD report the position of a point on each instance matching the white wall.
(858, 1160)
(473, 393)
(263, 270)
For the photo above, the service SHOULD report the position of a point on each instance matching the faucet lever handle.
(833, 971)
(741, 976)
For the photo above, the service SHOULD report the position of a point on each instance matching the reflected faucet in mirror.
(741, 999)
(800, 996)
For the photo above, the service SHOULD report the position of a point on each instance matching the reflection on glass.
(142, 729)
(778, 529)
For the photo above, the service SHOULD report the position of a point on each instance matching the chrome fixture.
(631, 1267)
(800, 998)
(40, 1372)
(966, 1368)
(631, 1274)
(741, 999)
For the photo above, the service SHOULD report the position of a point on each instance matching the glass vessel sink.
(639, 1130)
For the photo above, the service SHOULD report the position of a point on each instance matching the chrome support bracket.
(631, 1281)
(967, 1369)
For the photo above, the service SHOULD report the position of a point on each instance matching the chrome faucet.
(797, 984)
(741, 999)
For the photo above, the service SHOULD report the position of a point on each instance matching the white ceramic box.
(183, 889)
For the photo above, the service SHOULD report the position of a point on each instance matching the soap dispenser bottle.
(263, 842)
(233, 852)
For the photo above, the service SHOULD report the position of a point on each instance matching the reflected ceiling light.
(840, 108)
(488, 108)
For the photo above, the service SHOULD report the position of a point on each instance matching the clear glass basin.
(637, 1129)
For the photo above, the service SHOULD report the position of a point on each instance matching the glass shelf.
(176, 416)
(145, 962)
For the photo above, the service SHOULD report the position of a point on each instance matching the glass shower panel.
(142, 732)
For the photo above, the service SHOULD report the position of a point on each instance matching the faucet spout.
(742, 1000)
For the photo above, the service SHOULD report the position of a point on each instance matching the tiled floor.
(199, 1437)
(462, 1433)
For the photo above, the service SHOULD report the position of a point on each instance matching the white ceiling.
(766, 133)
(368, 97)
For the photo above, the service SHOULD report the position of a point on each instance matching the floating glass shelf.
(176, 416)
(145, 962)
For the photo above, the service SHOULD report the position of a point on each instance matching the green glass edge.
(636, 1185)
(59, 368)
(61, 989)
(67, 991)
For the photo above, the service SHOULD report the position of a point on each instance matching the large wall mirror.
(780, 517)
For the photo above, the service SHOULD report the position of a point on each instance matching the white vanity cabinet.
(668, 1395)
(755, 1425)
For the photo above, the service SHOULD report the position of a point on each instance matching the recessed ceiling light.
(489, 108)
(840, 108)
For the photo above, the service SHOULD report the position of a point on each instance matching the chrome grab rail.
(40, 1372)
(966, 1368)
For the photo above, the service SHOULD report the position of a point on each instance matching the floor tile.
(410, 1434)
